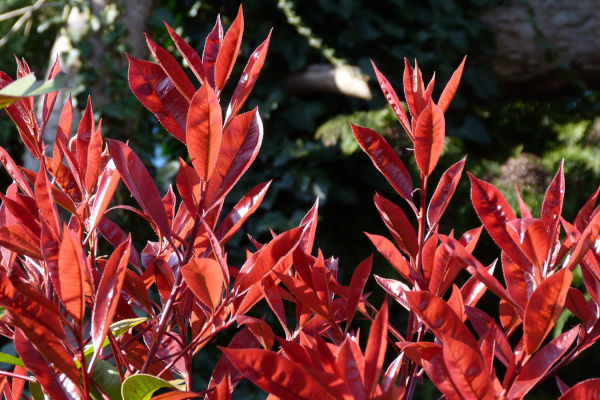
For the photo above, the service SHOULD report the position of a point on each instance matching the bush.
(91, 317)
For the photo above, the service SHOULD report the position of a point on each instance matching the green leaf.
(29, 86)
(117, 328)
(142, 387)
(107, 378)
(8, 359)
(36, 391)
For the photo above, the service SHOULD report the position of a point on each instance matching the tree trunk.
(541, 45)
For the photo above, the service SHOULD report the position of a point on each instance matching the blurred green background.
(515, 132)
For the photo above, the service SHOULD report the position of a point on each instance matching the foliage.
(92, 317)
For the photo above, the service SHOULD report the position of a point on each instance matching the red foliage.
(73, 314)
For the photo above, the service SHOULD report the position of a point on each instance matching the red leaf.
(248, 79)
(188, 185)
(239, 147)
(50, 98)
(586, 240)
(259, 328)
(474, 267)
(536, 368)
(357, 285)
(588, 389)
(525, 212)
(519, 283)
(310, 220)
(278, 375)
(204, 131)
(473, 289)
(140, 183)
(15, 238)
(467, 370)
(544, 307)
(440, 318)
(158, 94)
(63, 132)
(71, 269)
(82, 139)
(494, 212)
(450, 89)
(456, 302)
(375, 350)
(553, 203)
(205, 278)
(172, 68)
(229, 50)
(306, 295)
(94, 154)
(267, 258)
(393, 101)
(15, 173)
(385, 160)
(212, 44)
(107, 185)
(177, 395)
(398, 224)
(57, 386)
(414, 90)
(241, 212)
(108, 294)
(429, 137)
(532, 238)
(189, 54)
(578, 305)
(392, 255)
(46, 203)
(443, 192)
(351, 362)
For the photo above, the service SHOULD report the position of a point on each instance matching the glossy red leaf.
(188, 186)
(306, 296)
(474, 267)
(22, 214)
(267, 258)
(229, 50)
(525, 212)
(272, 294)
(107, 185)
(276, 374)
(538, 365)
(586, 240)
(248, 79)
(57, 386)
(241, 212)
(434, 366)
(108, 294)
(239, 147)
(46, 203)
(204, 131)
(444, 192)
(15, 238)
(553, 202)
(172, 68)
(588, 389)
(352, 364)
(188, 53)
(50, 98)
(520, 284)
(357, 285)
(217, 251)
(439, 317)
(494, 212)
(205, 278)
(533, 239)
(14, 172)
(456, 302)
(393, 100)
(158, 94)
(63, 132)
(451, 87)
(178, 395)
(310, 221)
(139, 182)
(389, 251)
(385, 160)
(467, 370)
(486, 326)
(398, 224)
(259, 328)
(82, 139)
(375, 350)
(94, 155)
(473, 289)
(429, 133)
(414, 89)
(212, 44)
(71, 269)
(544, 307)
(578, 305)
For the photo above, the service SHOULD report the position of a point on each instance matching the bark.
(541, 45)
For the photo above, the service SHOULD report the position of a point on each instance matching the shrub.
(125, 324)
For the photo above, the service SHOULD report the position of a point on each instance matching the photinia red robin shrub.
(124, 324)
